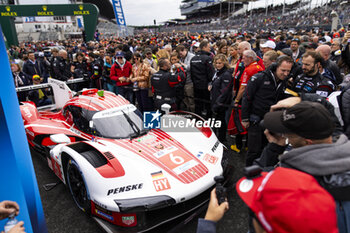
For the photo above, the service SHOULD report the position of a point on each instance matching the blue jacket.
(206, 226)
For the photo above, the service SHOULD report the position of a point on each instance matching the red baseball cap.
(289, 201)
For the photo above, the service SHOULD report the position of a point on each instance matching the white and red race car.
(123, 174)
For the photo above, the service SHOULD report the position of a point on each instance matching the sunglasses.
(119, 57)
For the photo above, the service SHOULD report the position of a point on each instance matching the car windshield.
(120, 122)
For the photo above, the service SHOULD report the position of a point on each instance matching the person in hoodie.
(221, 93)
(308, 127)
(120, 72)
(109, 84)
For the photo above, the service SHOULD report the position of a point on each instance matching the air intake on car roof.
(109, 155)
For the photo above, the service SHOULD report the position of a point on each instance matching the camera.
(221, 194)
(252, 172)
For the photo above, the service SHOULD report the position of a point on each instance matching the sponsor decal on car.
(213, 149)
(105, 215)
(75, 131)
(128, 220)
(30, 132)
(200, 153)
(159, 146)
(210, 158)
(27, 112)
(175, 159)
(56, 168)
(125, 189)
(147, 139)
(99, 204)
(160, 182)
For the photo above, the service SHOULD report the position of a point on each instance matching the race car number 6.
(176, 159)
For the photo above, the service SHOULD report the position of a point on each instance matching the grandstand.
(199, 11)
(206, 16)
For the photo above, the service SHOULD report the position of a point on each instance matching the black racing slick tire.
(77, 186)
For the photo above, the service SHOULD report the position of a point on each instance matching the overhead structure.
(7, 13)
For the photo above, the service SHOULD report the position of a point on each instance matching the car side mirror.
(60, 138)
(165, 108)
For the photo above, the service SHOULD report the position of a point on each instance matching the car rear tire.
(77, 186)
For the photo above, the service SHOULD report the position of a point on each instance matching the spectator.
(221, 93)
(61, 67)
(269, 58)
(185, 61)
(141, 81)
(52, 60)
(281, 44)
(96, 71)
(163, 83)
(233, 55)
(294, 46)
(202, 71)
(21, 80)
(168, 48)
(263, 90)
(79, 69)
(175, 58)
(235, 122)
(121, 72)
(296, 68)
(222, 49)
(163, 53)
(110, 85)
(325, 52)
(44, 65)
(267, 46)
(311, 81)
(251, 68)
(33, 67)
(308, 126)
(150, 61)
(336, 50)
(40, 96)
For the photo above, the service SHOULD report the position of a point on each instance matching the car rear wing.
(61, 92)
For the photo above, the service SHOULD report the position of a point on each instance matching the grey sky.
(143, 12)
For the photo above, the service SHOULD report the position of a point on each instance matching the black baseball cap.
(307, 119)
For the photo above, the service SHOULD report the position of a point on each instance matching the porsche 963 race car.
(128, 177)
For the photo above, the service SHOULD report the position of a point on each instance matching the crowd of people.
(236, 79)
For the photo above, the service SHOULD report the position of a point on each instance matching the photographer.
(285, 200)
(317, 149)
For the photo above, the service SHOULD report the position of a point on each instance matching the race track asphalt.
(62, 215)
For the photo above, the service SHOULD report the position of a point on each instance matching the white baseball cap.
(268, 44)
